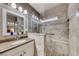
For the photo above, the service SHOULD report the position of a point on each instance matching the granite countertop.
(6, 46)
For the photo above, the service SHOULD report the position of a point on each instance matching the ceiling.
(42, 7)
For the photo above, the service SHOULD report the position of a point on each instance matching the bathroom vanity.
(14, 24)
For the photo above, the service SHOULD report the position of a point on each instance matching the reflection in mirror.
(34, 27)
(20, 22)
(15, 24)
(11, 23)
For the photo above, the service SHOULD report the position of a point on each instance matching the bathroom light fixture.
(20, 9)
(51, 19)
(25, 11)
(13, 5)
(77, 14)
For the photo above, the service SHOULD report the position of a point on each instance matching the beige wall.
(56, 11)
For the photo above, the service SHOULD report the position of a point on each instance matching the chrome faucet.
(17, 37)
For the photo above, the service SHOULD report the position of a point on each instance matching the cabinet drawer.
(12, 52)
(24, 50)
(28, 49)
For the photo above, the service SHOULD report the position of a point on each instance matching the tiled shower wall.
(73, 29)
(56, 44)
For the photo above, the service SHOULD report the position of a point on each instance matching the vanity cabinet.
(26, 49)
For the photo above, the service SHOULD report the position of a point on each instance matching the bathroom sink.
(18, 42)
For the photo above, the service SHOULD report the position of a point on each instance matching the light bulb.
(25, 11)
(13, 5)
(20, 9)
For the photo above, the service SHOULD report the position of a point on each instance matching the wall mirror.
(13, 22)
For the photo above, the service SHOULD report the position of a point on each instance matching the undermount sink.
(18, 42)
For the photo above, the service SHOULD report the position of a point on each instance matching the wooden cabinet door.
(24, 50)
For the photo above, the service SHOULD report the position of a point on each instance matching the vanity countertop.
(6, 46)
(6, 37)
(10, 37)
